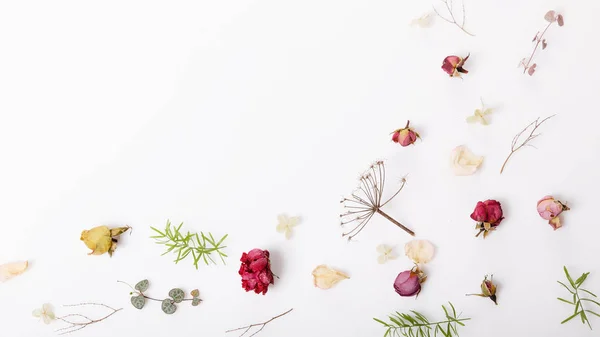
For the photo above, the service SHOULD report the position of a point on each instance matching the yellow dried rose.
(325, 277)
(101, 239)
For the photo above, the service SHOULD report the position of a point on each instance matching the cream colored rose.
(325, 277)
(420, 251)
(464, 162)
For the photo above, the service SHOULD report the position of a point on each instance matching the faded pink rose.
(408, 282)
(453, 65)
(405, 136)
(488, 214)
(256, 271)
(549, 209)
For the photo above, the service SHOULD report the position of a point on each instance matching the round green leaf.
(177, 295)
(142, 285)
(196, 301)
(195, 293)
(138, 301)
(168, 306)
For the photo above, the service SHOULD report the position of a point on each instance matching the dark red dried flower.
(488, 215)
(256, 271)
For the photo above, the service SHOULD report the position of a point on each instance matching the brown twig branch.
(261, 325)
(514, 147)
(368, 200)
(76, 326)
(452, 20)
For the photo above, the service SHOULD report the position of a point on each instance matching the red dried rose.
(488, 215)
(256, 271)
(405, 136)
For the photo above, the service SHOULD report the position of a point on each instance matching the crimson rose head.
(256, 271)
(488, 215)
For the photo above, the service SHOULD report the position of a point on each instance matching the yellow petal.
(98, 239)
(293, 221)
(281, 228)
(282, 219)
(464, 162)
(473, 119)
(37, 313)
(420, 251)
(383, 249)
(10, 270)
(118, 231)
(288, 233)
(325, 277)
(381, 259)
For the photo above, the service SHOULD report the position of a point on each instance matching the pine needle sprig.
(414, 324)
(199, 246)
(577, 299)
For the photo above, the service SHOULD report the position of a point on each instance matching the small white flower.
(286, 224)
(46, 313)
(385, 253)
(479, 115)
(419, 251)
(425, 21)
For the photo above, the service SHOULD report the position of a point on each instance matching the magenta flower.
(453, 65)
(256, 271)
(408, 282)
(405, 136)
(488, 215)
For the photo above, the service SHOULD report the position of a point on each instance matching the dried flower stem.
(135, 291)
(262, 325)
(75, 326)
(360, 208)
(452, 19)
(539, 40)
(514, 148)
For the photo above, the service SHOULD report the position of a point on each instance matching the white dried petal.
(10, 270)
(464, 162)
(419, 251)
(325, 277)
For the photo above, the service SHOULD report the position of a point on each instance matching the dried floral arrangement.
(75, 321)
(168, 306)
(102, 239)
(367, 200)
(261, 325)
(516, 146)
(201, 247)
(415, 324)
(552, 17)
(576, 291)
(451, 16)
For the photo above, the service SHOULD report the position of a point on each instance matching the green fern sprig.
(414, 324)
(577, 299)
(199, 246)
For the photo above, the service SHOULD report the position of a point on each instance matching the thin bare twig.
(76, 326)
(361, 208)
(262, 325)
(452, 19)
(514, 147)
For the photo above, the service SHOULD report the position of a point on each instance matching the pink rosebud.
(453, 65)
(405, 136)
(488, 215)
(549, 209)
(408, 282)
(256, 271)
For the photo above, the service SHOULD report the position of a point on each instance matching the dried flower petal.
(420, 251)
(101, 239)
(46, 313)
(10, 270)
(531, 69)
(560, 20)
(286, 224)
(425, 21)
(325, 277)
(550, 16)
(464, 162)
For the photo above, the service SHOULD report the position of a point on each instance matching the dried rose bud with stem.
(488, 289)
(368, 200)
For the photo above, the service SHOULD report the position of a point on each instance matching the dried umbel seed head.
(405, 136)
(488, 289)
(453, 65)
(549, 209)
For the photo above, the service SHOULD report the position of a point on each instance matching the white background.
(224, 114)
